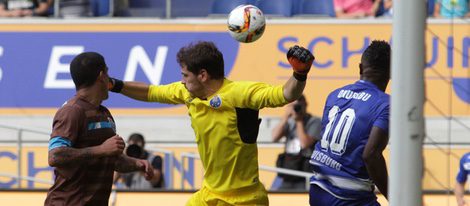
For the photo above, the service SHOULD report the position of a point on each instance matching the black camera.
(297, 108)
(134, 151)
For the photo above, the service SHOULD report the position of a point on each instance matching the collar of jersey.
(226, 81)
(81, 98)
(370, 84)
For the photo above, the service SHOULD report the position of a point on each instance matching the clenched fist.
(300, 59)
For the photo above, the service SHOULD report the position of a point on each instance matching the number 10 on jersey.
(337, 141)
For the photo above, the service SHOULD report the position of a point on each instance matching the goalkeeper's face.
(192, 82)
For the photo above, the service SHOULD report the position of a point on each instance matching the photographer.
(302, 131)
(136, 180)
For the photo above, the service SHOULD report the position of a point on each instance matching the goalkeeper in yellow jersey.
(224, 116)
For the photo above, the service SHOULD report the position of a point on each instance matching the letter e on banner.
(55, 67)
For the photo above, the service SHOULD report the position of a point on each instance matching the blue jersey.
(350, 113)
(464, 170)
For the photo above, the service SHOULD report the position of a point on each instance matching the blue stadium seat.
(225, 6)
(146, 3)
(276, 7)
(317, 8)
(50, 10)
(296, 6)
(101, 7)
(147, 8)
(191, 8)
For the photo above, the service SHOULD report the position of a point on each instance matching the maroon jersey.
(87, 182)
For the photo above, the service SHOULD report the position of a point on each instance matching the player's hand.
(300, 59)
(115, 85)
(113, 146)
(146, 168)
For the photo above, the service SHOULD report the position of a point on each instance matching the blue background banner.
(34, 65)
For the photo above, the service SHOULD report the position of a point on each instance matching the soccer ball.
(246, 23)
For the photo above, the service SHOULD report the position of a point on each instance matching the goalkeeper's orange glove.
(301, 60)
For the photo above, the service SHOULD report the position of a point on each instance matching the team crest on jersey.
(215, 102)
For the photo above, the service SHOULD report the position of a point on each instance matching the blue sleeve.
(383, 118)
(59, 142)
(463, 173)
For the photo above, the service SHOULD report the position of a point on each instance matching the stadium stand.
(276, 8)
(146, 8)
(320, 8)
(220, 8)
(184, 8)
(102, 7)
(223, 7)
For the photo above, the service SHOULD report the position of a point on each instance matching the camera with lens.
(298, 108)
(135, 151)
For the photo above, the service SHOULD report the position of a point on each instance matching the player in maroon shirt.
(84, 148)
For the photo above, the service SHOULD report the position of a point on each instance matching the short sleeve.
(383, 118)
(67, 123)
(258, 95)
(174, 93)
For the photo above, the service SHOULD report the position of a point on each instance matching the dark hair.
(85, 69)
(137, 137)
(202, 55)
(377, 58)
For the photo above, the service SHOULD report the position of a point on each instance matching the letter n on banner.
(188, 174)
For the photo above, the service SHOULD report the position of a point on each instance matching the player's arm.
(375, 161)
(461, 179)
(61, 153)
(301, 61)
(459, 192)
(134, 90)
(126, 164)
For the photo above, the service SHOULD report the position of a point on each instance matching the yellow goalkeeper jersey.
(226, 127)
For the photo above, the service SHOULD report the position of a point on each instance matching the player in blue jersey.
(348, 162)
(464, 171)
